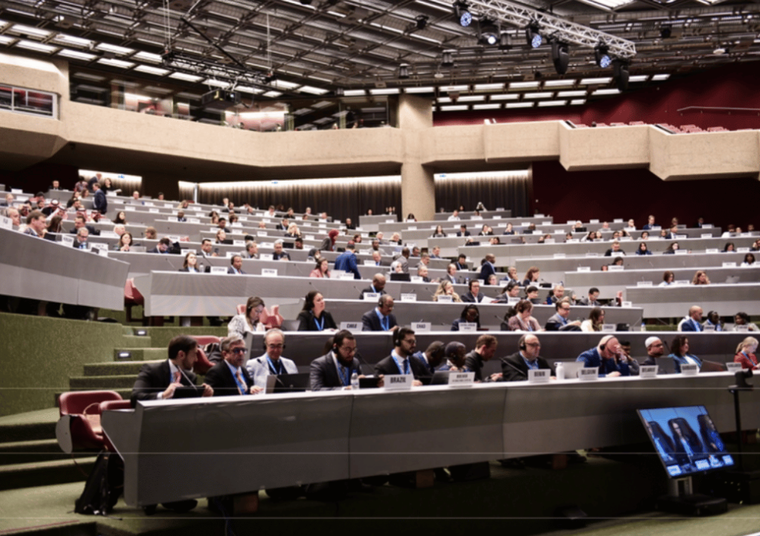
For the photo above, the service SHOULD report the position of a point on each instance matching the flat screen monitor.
(686, 440)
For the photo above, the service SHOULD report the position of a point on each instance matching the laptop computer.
(289, 383)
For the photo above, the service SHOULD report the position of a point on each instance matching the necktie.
(240, 382)
(176, 377)
(406, 366)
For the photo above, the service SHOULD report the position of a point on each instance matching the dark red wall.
(732, 86)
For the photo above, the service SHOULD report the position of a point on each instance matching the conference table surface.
(675, 300)
(246, 443)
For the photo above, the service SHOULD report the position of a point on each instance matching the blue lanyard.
(385, 322)
(320, 325)
(275, 369)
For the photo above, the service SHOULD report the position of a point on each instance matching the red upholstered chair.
(79, 426)
(268, 319)
(204, 340)
(202, 364)
(132, 297)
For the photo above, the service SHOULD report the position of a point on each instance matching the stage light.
(421, 21)
(464, 17)
(505, 41)
(601, 56)
(532, 36)
(620, 74)
(403, 71)
(447, 58)
(489, 33)
(560, 56)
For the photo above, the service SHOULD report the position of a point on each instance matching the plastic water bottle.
(560, 371)
(354, 381)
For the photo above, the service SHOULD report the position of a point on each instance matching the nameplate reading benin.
(461, 379)
(588, 374)
(539, 376)
(689, 370)
(398, 382)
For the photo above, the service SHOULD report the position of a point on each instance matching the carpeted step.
(27, 475)
(102, 383)
(34, 451)
(27, 431)
(117, 368)
(140, 354)
(134, 341)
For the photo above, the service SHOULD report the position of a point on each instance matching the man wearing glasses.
(228, 377)
(515, 367)
(334, 369)
(559, 321)
(271, 362)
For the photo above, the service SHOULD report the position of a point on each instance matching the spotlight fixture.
(421, 21)
(620, 74)
(560, 56)
(447, 58)
(306, 2)
(665, 32)
(505, 41)
(601, 56)
(532, 36)
(403, 71)
(462, 11)
(489, 33)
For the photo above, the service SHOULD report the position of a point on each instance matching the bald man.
(608, 356)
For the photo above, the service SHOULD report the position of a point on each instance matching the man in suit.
(488, 267)
(228, 377)
(334, 369)
(463, 231)
(461, 263)
(164, 246)
(236, 265)
(346, 261)
(159, 381)
(380, 318)
(79, 222)
(608, 357)
(402, 360)
(515, 367)
(271, 361)
(377, 286)
(451, 274)
(485, 348)
(207, 249)
(433, 356)
(692, 321)
(80, 242)
(591, 299)
(559, 321)
(99, 202)
(279, 254)
(655, 350)
(436, 253)
(473, 295)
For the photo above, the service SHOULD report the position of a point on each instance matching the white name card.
(708, 328)
(560, 255)
(706, 235)
(186, 251)
(371, 295)
(6, 223)
(626, 304)
(266, 256)
(129, 209)
(733, 367)
(368, 262)
(707, 226)
(412, 227)
(238, 242)
(496, 217)
(153, 210)
(551, 241)
(444, 299)
(539, 376)
(229, 254)
(592, 254)
(743, 328)
(461, 379)
(147, 203)
(416, 279)
(513, 300)
(593, 221)
(608, 328)
(353, 327)
(742, 250)
(643, 283)
(584, 268)
(67, 240)
(408, 297)
(648, 371)
(615, 268)
(684, 252)
(709, 250)
(347, 277)
(17, 191)
(262, 233)
(269, 271)
(468, 326)
(310, 237)
(323, 226)
(689, 370)
(193, 220)
(390, 221)
(588, 374)
(617, 220)
(236, 224)
(729, 265)
(421, 327)
(218, 270)
(398, 382)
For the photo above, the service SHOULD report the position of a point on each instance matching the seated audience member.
(271, 361)
(532, 276)
(511, 293)
(279, 254)
(125, 242)
(313, 316)
(322, 269)
(334, 369)
(435, 252)
(671, 249)
(121, 217)
(461, 263)
(181, 216)
(13, 215)
(742, 322)
(558, 294)
(377, 258)
(377, 286)
(454, 216)
(560, 320)
(229, 377)
(251, 250)
(222, 224)
(158, 381)
(594, 321)
(438, 233)
(150, 233)
(396, 267)
(236, 265)
(692, 321)
(396, 239)
(679, 349)
(650, 224)
(446, 288)
(749, 260)
(470, 315)
(668, 278)
(433, 356)
(190, 264)
(380, 318)
(509, 230)
(164, 247)
(206, 249)
(633, 365)
(463, 231)
(713, 322)
(655, 350)
(454, 354)
(422, 272)
(531, 294)
(608, 356)
(328, 244)
(643, 249)
(473, 295)
(515, 367)
(745, 354)
(451, 274)
(492, 280)
(729, 247)
(253, 318)
(293, 231)
(700, 278)
(401, 360)
(35, 226)
(755, 246)
(80, 242)
(485, 349)
(511, 275)
(617, 261)
(522, 320)
(485, 231)
(221, 237)
(591, 298)
(346, 261)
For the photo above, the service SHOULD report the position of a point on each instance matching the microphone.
(505, 362)
(192, 384)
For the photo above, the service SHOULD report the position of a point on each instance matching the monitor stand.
(681, 500)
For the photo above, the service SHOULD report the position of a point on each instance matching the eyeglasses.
(533, 344)
(238, 350)
(275, 346)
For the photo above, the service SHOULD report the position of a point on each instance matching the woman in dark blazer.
(313, 316)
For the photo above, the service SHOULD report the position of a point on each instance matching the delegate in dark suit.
(220, 378)
(307, 322)
(324, 376)
(371, 322)
(100, 203)
(154, 378)
(515, 369)
(389, 366)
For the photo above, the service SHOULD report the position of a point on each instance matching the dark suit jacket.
(369, 289)
(467, 297)
(324, 376)
(388, 366)
(100, 203)
(454, 279)
(306, 321)
(188, 270)
(153, 379)
(231, 270)
(220, 378)
(486, 270)
(370, 321)
(515, 370)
